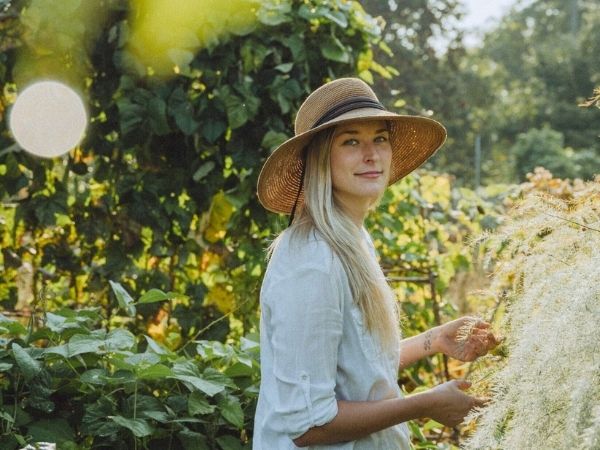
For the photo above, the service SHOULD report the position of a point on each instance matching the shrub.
(542, 147)
(72, 382)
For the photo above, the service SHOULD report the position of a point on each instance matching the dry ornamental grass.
(546, 393)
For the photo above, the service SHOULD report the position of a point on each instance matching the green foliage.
(422, 40)
(532, 71)
(420, 229)
(161, 192)
(543, 148)
(74, 383)
(541, 64)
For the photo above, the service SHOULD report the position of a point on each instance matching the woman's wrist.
(425, 403)
(431, 341)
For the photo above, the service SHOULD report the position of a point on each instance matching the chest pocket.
(369, 344)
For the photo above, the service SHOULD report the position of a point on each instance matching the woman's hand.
(466, 338)
(449, 404)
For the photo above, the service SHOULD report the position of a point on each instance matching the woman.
(330, 344)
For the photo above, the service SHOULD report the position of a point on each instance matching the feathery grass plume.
(466, 330)
(546, 392)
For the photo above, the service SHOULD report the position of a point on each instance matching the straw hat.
(413, 139)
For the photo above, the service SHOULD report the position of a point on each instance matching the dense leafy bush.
(72, 382)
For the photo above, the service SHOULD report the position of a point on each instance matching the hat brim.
(413, 140)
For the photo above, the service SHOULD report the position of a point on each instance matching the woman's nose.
(370, 152)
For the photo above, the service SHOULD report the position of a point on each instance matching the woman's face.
(360, 163)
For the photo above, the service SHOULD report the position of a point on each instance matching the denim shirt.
(315, 350)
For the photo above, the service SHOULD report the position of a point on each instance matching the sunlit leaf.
(198, 404)
(139, 427)
(29, 366)
(123, 298)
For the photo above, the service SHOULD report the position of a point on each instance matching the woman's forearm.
(445, 403)
(356, 420)
(416, 347)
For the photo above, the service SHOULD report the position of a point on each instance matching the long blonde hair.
(323, 213)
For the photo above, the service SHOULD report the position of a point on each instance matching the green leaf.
(218, 377)
(155, 372)
(152, 296)
(284, 68)
(250, 343)
(5, 367)
(212, 129)
(139, 427)
(190, 440)
(147, 406)
(285, 92)
(239, 370)
(229, 443)
(123, 298)
(94, 376)
(273, 139)
(203, 170)
(156, 347)
(58, 323)
(334, 50)
(182, 110)
(81, 343)
(231, 409)
(12, 326)
(119, 339)
(235, 108)
(273, 14)
(142, 360)
(159, 416)
(121, 377)
(336, 17)
(51, 430)
(157, 111)
(198, 404)
(253, 55)
(95, 419)
(62, 350)
(208, 387)
(131, 115)
(29, 366)
(7, 417)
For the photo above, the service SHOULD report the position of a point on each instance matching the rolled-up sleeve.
(305, 328)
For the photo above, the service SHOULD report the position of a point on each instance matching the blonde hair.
(322, 212)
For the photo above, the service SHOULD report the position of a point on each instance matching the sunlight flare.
(48, 119)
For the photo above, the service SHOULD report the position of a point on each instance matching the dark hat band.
(348, 105)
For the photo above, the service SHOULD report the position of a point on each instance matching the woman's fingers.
(463, 385)
(485, 339)
(480, 401)
(482, 324)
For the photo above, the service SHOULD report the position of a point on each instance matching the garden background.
(131, 266)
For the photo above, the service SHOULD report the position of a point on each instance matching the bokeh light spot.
(48, 119)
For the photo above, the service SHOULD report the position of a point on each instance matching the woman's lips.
(370, 174)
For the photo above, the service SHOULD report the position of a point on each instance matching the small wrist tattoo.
(427, 344)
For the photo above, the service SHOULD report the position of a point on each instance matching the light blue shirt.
(315, 350)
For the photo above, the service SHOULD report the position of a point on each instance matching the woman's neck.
(356, 213)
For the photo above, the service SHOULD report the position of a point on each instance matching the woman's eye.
(351, 142)
(381, 139)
